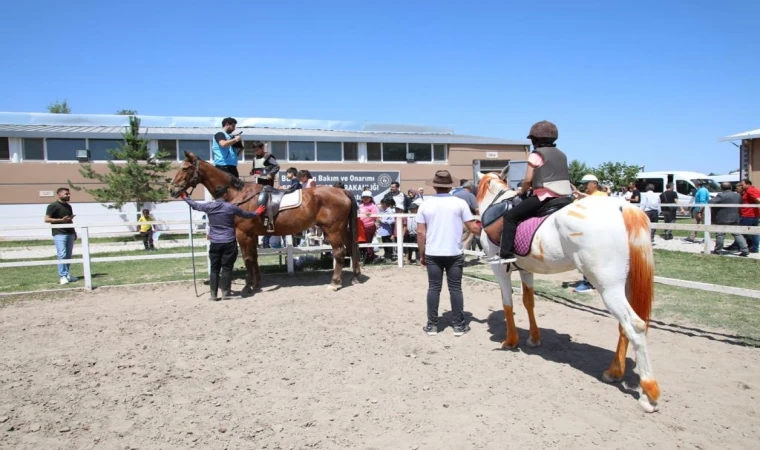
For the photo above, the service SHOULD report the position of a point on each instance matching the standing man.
(635, 197)
(464, 191)
(265, 165)
(547, 175)
(749, 216)
(225, 149)
(223, 250)
(650, 204)
(727, 216)
(439, 239)
(669, 197)
(60, 212)
(401, 201)
(701, 197)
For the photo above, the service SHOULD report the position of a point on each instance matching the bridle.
(194, 180)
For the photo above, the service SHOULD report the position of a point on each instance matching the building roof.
(190, 128)
(751, 134)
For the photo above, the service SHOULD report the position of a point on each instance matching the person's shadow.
(561, 349)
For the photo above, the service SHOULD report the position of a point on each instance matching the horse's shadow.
(561, 349)
(274, 282)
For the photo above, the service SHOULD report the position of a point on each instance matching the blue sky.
(652, 83)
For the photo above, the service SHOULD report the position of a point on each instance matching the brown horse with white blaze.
(332, 209)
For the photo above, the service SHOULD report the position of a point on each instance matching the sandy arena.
(298, 366)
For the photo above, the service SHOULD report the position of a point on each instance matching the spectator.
(366, 209)
(223, 250)
(650, 204)
(727, 216)
(669, 197)
(400, 200)
(749, 216)
(146, 229)
(386, 225)
(625, 193)
(590, 183)
(421, 193)
(439, 238)
(60, 212)
(412, 194)
(701, 197)
(465, 193)
(410, 233)
(635, 197)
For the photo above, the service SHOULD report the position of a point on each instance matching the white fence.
(290, 252)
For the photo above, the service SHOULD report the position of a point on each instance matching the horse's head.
(188, 176)
(490, 185)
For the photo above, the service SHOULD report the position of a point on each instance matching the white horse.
(608, 241)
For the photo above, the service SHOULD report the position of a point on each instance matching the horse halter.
(195, 179)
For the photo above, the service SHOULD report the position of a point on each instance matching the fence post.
(289, 254)
(400, 241)
(708, 221)
(86, 258)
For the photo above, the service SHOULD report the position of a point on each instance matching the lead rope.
(192, 251)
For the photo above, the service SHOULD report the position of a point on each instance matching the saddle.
(276, 200)
(493, 221)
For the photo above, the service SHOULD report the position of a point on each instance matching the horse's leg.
(248, 246)
(529, 302)
(617, 366)
(336, 236)
(635, 330)
(505, 283)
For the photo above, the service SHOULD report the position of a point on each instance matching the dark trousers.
(752, 239)
(147, 239)
(232, 170)
(411, 239)
(654, 217)
(524, 210)
(388, 251)
(222, 256)
(668, 217)
(453, 266)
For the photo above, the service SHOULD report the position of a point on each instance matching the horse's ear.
(190, 156)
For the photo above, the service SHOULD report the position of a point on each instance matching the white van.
(732, 178)
(683, 182)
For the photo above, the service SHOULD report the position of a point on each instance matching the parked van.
(732, 178)
(683, 182)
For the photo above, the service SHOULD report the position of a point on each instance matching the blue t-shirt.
(701, 196)
(223, 156)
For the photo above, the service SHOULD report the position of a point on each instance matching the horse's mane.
(485, 180)
(235, 182)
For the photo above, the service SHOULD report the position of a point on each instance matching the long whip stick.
(192, 251)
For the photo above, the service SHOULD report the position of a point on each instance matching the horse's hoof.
(507, 346)
(533, 344)
(610, 378)
(333, 287)
(646, 404)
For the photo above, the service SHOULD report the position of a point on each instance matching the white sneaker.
(72, 279)
(64, 280)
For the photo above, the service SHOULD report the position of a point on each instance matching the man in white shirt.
(439, 238)
(650, 204)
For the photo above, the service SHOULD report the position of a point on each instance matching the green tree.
(616, 173)
(127, 112)
(59, 107)
(577, 170)
(140, 179)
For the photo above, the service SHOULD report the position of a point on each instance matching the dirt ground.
(298, 366)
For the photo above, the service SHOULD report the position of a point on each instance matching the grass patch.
(722, 270)
(165, 236)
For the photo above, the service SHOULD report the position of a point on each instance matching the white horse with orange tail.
(607, 240)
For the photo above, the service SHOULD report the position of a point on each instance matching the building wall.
(754, 161)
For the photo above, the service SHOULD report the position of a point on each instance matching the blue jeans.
(64, 245)
(752, 239)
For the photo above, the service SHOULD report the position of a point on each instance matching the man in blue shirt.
(223, 249)
(701, 197)
(225, 149)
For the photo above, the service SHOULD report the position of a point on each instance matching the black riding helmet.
(543, 131)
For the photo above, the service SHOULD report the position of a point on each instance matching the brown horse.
(332, 209)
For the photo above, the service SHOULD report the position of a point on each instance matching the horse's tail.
(353, 246)
(641, 264)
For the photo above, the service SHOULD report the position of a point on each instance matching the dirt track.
(298, 366)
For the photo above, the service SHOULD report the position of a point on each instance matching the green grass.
(170, 237)
(722, 270)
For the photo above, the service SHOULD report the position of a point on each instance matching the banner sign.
(378, 181)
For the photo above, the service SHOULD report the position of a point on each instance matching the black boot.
(226, 284)
(213, 284)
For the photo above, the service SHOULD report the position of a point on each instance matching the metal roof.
(751, 134)
(30, 125)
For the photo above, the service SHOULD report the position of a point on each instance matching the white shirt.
(650, 201)
(444, 215)
(399, 199)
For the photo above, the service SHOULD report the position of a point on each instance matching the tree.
(127, 112)
(577, 171)
(617, 174)
(59, 107)
(139, 179)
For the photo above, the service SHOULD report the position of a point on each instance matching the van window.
(683, 187)
(641, 184)
(709, 184)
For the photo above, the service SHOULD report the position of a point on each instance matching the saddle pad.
(291, 200)
(493, 212)
(525, 232)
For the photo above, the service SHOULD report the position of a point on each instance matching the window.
(374, 151)
(301, 151)
(168, 148)
(201, 149)
(394, 152)
(329, 151)
(64, 149)
(5, 148)
(439, 152)
(279, 149)
(34, 149)
(350, 151)
(99, 148)
(248, 153)
(658, 183)
(684, 188)
(422, 152)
